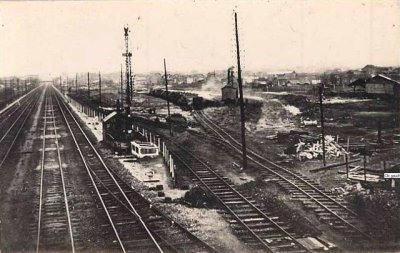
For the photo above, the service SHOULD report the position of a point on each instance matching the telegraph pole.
(18, 90)
(100, 88)
(61, 89)
(321, 90)
(76, 84)
(5, 89)
(242, 116)
(88, 85)
(167, 97)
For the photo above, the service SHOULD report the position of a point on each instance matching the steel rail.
(347, 223)
(15, 122)
(62, 179)
(238, 194)
(189, 235)
(41, 179)
(107, 169)
(18, 132)
(274, 164)
(17, 100)
(8, 112)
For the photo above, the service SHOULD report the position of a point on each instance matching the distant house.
(378, 85)
(372, 70)
(359, 84)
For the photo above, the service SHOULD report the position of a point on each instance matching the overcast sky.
(79, 36)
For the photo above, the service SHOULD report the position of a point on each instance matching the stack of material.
(311, 150)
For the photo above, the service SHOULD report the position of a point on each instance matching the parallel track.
(13, 123)
(329, 209)
(54, 229)
(137, 225)
(257, 228)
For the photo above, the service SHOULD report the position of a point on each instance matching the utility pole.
(167, 97)
(18, 90)
(88, 85)
(321, 108)
(5, 89)
(100, 88)
(61, 85)
(26, 88)
(242, 116)
(76, 84)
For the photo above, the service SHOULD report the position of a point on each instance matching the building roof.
(363, 81)
(385, 78)
(359, 82)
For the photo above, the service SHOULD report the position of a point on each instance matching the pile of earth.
(198, 197)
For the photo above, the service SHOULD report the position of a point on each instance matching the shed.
(377, 85)
(117, 131)
(381, 84)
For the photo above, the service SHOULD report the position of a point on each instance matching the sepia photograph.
(188, 126)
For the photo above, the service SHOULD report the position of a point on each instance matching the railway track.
(258, 228)
(137, 226)
(54, 227)
(12, 122)
(327, 207)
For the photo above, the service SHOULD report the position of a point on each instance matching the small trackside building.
(384, 85)
(115, 132)
(379, 85)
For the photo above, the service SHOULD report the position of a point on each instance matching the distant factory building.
(230, 90)
(378, 85)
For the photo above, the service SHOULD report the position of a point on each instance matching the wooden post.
(242, 116)
(347, 165)
(322, 123)
(379, 131)
(167, 98)
(365, 166)
(88, 85)
(99, 89)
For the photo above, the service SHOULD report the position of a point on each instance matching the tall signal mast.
(128, 69)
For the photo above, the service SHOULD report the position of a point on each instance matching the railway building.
(230, 92)
(379, 85)
(116, 131)
(119, 134)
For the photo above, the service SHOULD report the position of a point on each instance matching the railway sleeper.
(256, 215)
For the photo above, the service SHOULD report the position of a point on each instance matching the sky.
(54, 37)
